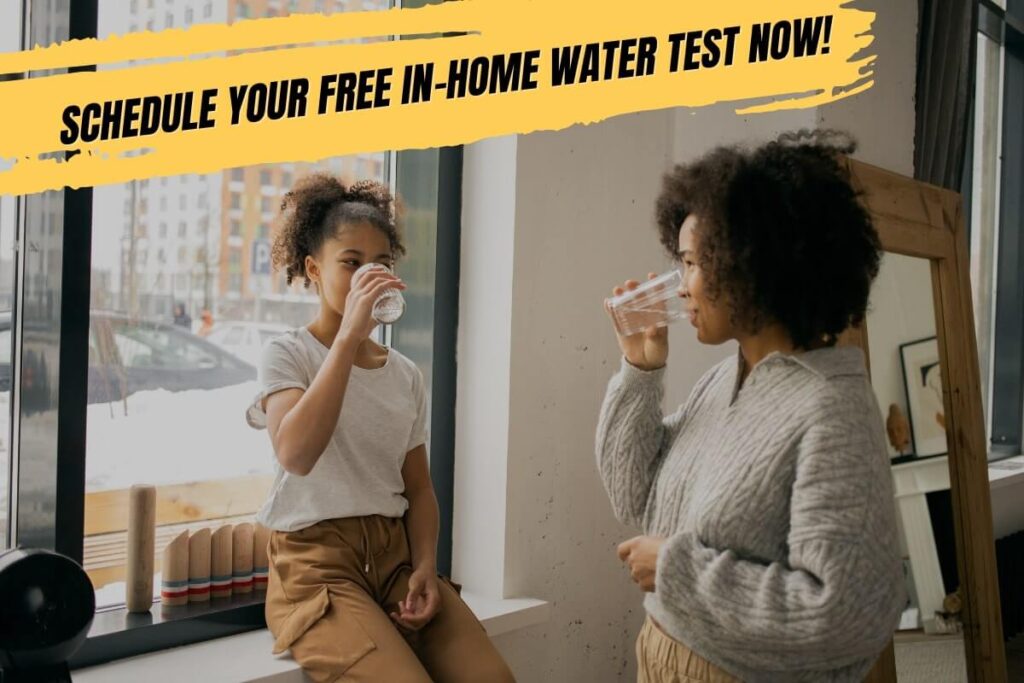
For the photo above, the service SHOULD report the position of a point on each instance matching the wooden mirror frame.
(924, 221)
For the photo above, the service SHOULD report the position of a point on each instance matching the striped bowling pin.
(241, 559)
(260, 561)
(174, 571)
(220, 567)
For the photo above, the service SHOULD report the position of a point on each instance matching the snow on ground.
(165, 437)
(160, 437)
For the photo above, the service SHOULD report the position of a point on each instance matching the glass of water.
(390, 305)
(654, 303)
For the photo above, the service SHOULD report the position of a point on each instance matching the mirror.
(906, 374)
(922, 231)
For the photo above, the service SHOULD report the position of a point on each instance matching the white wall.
(901, 310)
(583, 221)
(485, 322)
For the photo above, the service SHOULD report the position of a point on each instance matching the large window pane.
(1008, 359)
(10, 41)
(36, 333)
(182, 303)
(985, 202)
(417, 181)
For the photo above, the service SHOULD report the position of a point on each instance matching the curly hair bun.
(316, 205)
(373, 193)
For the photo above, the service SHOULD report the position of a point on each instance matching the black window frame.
(1007, 410)
(115, 633)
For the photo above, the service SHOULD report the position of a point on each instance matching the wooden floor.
(950, 650)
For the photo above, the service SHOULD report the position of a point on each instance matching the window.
(189, 15)
(169, 20)
(234, 336)
(265, 178)
(208, 10)
(10, 14)
(183, 202)
(237, 174)
(146, 376)
(995, 188)
(265, 205)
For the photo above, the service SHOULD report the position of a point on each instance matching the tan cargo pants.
(662, 659)
(331, 588)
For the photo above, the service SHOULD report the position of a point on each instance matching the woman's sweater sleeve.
(839, 583)
(632, 436)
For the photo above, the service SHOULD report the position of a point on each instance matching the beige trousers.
(662, 659)
(331, 588)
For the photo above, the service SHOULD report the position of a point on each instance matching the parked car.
(127, 355)
(245, 339)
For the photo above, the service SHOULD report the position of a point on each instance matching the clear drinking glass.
(655, 303)
(390, 305)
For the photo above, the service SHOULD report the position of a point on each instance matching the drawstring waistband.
(367, 555)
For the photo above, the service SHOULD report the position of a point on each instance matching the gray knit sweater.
(781, 561)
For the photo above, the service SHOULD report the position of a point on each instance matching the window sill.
(924, 475)
(1006, 471)
(246, 657)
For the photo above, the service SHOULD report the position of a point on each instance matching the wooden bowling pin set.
(231, 560)
(206, 563)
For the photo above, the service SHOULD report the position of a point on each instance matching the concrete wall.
(583, 221)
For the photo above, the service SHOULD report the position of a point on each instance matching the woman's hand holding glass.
(647, 350)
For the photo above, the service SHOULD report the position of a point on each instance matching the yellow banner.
(516, 66)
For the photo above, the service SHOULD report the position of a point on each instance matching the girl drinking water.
(354, 591)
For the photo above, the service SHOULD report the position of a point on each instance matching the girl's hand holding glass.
(367, 287)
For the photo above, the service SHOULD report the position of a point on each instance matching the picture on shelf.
(922, 380)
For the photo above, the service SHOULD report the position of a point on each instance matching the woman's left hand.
(641, 554)
(422, 603)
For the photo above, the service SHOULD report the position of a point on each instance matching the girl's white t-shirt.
(382, 418)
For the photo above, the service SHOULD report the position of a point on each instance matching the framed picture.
(922, 380)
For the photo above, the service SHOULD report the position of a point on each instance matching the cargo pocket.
(322, 638)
